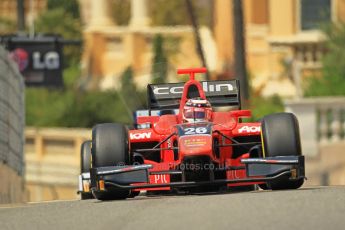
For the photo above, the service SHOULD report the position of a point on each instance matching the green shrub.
(67, 108)
(89, 108)
(159, 61)
(332, 81)
(70, 107)
(261, 106)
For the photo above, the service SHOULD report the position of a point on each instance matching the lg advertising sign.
(39, 59)
(49, 60)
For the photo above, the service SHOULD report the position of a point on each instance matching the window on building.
(314, 13)
(259, 12)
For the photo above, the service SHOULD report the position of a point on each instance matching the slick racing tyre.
(280, 137)
(85, 164)
(110, 148)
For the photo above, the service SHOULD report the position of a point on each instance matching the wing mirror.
(241, 113)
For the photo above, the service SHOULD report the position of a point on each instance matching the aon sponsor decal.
(249, 129)
(138, 136)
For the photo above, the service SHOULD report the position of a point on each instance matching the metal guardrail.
(12, 114)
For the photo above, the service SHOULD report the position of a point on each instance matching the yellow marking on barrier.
(262, 144)
(91, 154)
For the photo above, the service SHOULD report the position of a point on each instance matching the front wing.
(258, 170)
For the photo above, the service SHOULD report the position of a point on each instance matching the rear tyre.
(85, 164)
(110, 148)
(280, 137)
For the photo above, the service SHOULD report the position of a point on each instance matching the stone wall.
(12, 185)
(12, 125)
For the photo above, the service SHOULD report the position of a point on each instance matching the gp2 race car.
(167, 154)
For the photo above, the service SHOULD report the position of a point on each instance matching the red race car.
(191, 139)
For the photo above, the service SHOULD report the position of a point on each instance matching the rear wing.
(221, 93)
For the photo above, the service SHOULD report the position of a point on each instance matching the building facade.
(283, 39)
(32, 8)
(110, 49)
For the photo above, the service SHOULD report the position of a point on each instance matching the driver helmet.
(197, 110)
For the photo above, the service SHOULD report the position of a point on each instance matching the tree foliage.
(57, 20)
(7, 26)
(261, 106)
(72, 108)
(71, 7)
(159, 61)
(85, 109)
(121, 11)
(332, 81)
(170, 13)
(131, 96)
(164, 12)
(67, 108)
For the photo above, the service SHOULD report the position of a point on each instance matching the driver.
(197, 110)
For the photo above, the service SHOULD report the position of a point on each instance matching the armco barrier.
(12, 123)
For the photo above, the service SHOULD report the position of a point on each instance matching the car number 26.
(198, 130)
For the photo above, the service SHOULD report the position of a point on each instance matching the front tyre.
(110, 148)
(280, 137)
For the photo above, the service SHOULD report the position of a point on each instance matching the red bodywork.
(196, 144)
